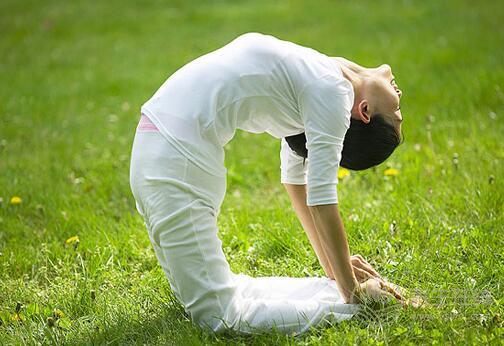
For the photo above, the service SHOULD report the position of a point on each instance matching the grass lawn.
(73, 78)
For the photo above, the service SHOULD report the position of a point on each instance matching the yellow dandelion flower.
(57, 313)
(72, 240)
(17, 317)
(343, 172)
(391, 171)
(15, 200)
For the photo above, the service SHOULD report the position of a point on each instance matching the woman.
(258, 83)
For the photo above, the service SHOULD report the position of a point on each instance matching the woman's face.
(383, 94)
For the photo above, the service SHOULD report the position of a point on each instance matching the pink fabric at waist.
(145, 125)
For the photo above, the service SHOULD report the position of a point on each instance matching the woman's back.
(253, 83)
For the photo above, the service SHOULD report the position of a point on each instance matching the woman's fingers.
(388, 293)
(360, 262)
(361, 275)
(364, 271)
(377, 289)
(401, 290)
(373, 289)
(370, 268)
(392, 291)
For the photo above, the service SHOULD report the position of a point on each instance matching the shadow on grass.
(166, 322)
(171, 326)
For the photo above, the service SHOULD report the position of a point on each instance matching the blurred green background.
(73, 77)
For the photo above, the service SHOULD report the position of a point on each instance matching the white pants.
(179, 203)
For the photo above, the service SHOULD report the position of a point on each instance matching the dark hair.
(365, 145)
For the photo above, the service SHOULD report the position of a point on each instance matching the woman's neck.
(353, 72)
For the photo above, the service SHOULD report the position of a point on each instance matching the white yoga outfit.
(256, 83)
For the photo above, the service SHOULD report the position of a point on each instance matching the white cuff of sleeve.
(292, 180)
(322, 194)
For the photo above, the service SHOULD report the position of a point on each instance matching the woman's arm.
(332, 252)
(361, 268)
(297, 194)
(329, 226)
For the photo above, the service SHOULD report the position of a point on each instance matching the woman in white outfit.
(326, 111)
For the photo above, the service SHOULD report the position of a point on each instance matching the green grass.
(73, 77)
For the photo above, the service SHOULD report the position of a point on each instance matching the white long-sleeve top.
(259, 83)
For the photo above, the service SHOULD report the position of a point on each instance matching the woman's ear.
(363, 111)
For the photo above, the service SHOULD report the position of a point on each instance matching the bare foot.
(415, 301)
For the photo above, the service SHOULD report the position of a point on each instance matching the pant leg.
(181, 220)
(180, 204)
(294, 288)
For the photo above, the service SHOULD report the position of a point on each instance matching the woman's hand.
(375, 289)
(363, 270)
(372, 284)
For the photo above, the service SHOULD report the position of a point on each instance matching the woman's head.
(376, 92)
(375, 123)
